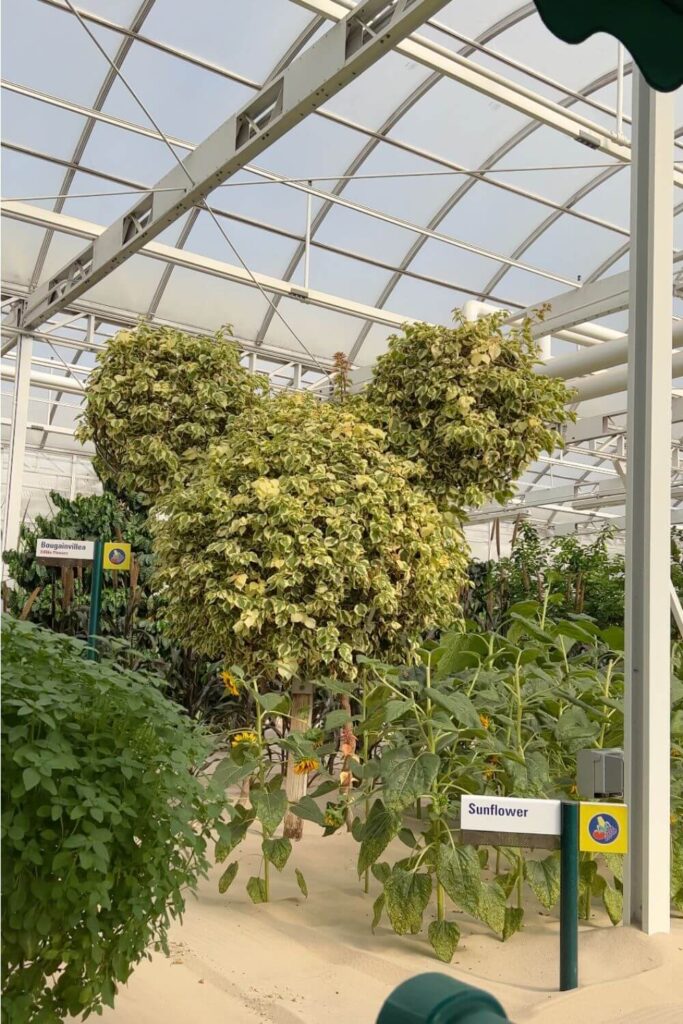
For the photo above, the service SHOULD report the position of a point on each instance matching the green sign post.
(651, 30)
(569, 897)
(95, 601)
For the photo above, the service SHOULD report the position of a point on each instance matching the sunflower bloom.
(243, 738)
(230, 684)
(306, 765)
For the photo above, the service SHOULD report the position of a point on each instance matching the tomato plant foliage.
(103, 828)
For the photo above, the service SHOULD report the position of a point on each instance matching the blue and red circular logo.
(603, 828)
(117, 556)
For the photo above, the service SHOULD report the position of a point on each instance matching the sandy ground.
(297, 961)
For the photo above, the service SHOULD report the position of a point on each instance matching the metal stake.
(95, 601)
(569, 897)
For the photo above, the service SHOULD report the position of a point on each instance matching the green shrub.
(302, 544)
(156, 398)
(104, 824)
(466, 404)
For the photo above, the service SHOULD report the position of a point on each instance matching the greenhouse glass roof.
(479, 160)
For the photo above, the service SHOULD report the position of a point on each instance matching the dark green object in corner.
(95, 601)
(438, 999)
(569, 897)
(651, 30)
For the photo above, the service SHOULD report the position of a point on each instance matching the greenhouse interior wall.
(314, 175)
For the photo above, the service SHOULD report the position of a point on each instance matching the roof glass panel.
(406, 186)
(184, 100)
(29, 123)
(247, 38)
(131, 286)
(363, 233)
(121, 11)
(339, 275)
(27, 179)
(474, 20)
(322, 331)
(20, 248)
(468, 126)
(258, 248)
(209, 302)
(73, 69)
(378, 92)
(129, 157)
(530, 43)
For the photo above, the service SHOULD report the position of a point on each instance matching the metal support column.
(620, 90)
(307, 238)
(17, 443)
(648, 515)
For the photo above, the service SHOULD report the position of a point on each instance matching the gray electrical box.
(600, 773)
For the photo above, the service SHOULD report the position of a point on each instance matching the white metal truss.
(29, 214)
(345, 51)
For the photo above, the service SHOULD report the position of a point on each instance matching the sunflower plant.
(254, 764)
(499, 713)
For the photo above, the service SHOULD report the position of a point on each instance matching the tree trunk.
(302, 714)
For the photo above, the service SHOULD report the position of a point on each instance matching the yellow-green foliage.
(156, 399)
(465, 402)
(301, 543)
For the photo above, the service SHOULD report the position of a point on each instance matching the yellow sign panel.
(603, 828)
(116, 555)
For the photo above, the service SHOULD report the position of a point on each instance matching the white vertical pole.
(545, 347)
(72, 482)
(648, 511)
(307, 240)
(17, 442)
(296, 376)
(620, 89)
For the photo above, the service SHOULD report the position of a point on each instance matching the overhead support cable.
(343, 52)
(116, 62)
(205, 264)
(479, 174)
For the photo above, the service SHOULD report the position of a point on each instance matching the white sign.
(64, 551)
(510, 814)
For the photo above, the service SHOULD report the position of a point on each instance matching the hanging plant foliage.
(155, 400)
(466, 404)
(303, 543)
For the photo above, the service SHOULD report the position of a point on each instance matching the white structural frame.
(648, 659)
(344, 51)
(301, 84)
(17, 444)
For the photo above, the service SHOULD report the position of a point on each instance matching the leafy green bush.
(132, 610)
(466, 404)
(496, 713)
(582, 576)
(301, 544)
(104, 824)
(156, 398)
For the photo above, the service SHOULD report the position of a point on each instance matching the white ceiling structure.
(479, 160)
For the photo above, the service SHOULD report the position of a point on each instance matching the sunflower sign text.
(603, 828)
(510, 814)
